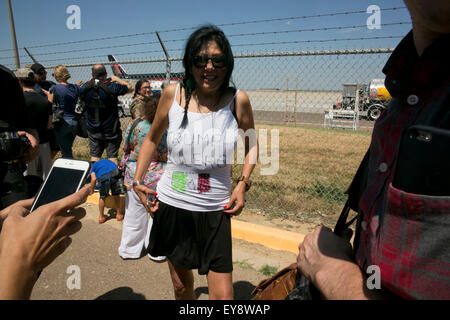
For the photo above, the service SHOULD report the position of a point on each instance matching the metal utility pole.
(13, 34)
(168, 63)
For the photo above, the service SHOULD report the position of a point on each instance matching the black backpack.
(96, 103)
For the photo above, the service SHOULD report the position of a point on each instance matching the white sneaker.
(157, 259)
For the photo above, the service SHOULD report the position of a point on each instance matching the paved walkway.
(104, 275)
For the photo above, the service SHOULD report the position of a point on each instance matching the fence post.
(168, 62)
(13, 34)
(28, 52)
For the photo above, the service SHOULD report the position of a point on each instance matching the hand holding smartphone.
(66, 177)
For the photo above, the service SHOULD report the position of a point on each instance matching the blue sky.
(42, 22)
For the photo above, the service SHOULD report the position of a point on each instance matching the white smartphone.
(66, 177)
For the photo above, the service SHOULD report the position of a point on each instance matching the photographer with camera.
(17, 147)
(99, 96)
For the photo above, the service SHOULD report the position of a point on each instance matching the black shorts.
(98, 142)
(192, 240)
(111, 182)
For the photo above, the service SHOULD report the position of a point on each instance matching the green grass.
(244, 265)
(268, 271)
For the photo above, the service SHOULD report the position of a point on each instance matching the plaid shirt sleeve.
(407, 235)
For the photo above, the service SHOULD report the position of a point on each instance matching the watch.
(138, 183)
(246, 180)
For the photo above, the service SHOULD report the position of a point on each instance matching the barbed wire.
(311, 30)
(191, 28)
(282, 19)
(319, 41)
(230, 36)
(250, 55)
(233, 45)
(81, 50)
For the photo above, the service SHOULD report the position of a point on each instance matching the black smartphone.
(66, 176)
(423, 162)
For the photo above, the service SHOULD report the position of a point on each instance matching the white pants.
(135, 229)
(42, 164)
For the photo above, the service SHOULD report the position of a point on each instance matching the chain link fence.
(307, 158)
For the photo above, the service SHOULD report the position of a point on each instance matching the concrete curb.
(269, 237)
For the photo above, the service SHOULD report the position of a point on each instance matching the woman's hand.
(30, 242)
(144, 194)
(22, 203)
(33, 150)
(237, 200)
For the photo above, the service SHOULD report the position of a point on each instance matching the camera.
(12, 146)
(57, 118)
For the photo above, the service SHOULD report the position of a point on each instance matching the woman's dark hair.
(138, 86)
(194, 44)
(150, 106)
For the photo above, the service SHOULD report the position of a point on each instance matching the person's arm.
(151, 141)
(50, 123)
(325, 259)
(122, 82)
(246, 124)
(50, 95)
(93, 182)
(33, 151)
(30, 242)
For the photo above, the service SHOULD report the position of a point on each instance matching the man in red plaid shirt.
(402, 238)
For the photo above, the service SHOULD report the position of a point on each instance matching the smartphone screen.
(61, 183)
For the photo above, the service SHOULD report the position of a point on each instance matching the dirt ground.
(278, 223)
(92, 269)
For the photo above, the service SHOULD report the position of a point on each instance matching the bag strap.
(233, 106)
(55, 98)
(127, 145)
(95, 85)
(354, 195)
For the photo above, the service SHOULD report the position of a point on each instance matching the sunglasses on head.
(202, 60)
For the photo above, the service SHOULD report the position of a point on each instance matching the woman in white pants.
(137, 223)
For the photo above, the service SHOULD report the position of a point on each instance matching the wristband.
(138, 183)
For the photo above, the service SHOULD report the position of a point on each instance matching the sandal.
(101, 220)
(119, 217)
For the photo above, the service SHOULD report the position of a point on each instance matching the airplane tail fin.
(117, 69)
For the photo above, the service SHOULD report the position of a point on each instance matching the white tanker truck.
(372, 99)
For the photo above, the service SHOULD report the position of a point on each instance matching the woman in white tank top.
(194, 205)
